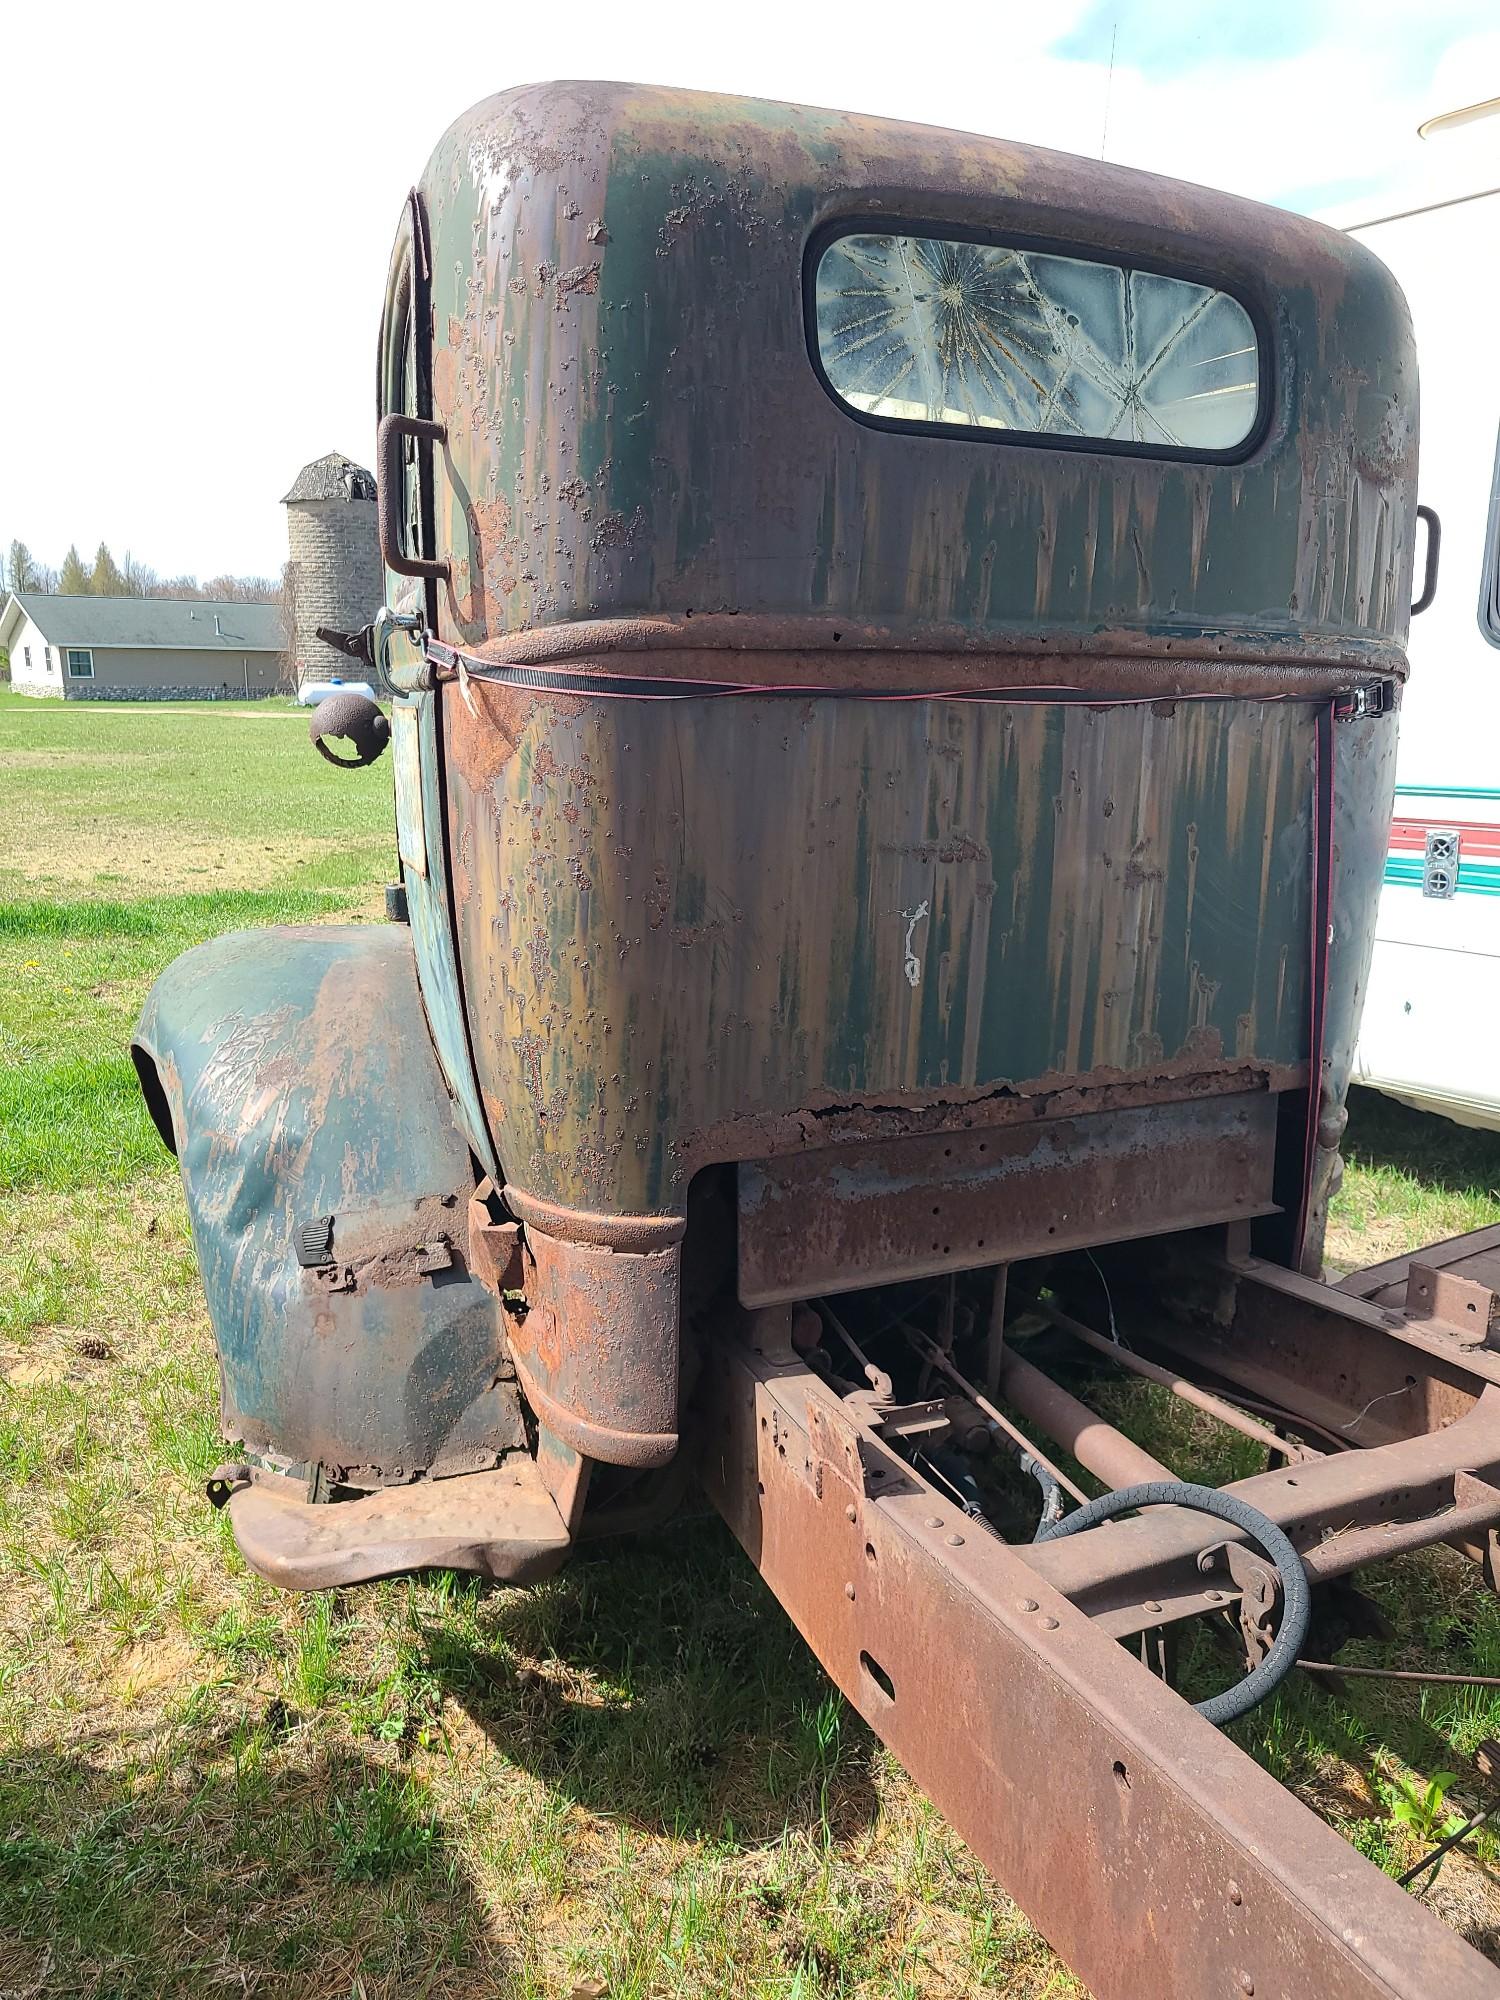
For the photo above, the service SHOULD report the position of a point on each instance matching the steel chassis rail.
(1154, 1855)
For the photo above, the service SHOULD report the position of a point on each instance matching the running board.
(502, 1524)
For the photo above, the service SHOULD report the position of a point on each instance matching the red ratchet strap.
(1320, 940)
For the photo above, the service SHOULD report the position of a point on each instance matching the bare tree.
(21, 571)
(243, 589)
(290, 666)
(140, 578)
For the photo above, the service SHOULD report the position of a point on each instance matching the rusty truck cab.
(895, 641)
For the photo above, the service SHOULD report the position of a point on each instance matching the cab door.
(406, 471)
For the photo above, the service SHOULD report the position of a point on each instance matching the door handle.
(390, 488)
(1430, 556)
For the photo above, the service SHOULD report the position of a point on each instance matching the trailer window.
(1489, 580)
(923, 331)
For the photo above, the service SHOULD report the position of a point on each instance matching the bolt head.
(1234, 1894)
(955, 1541)
(1247, 1984)
(849, 1590)
(933, 1521)
(1151, 1604)
(1049, 1624)
(1026, 1604)
(850, 1513)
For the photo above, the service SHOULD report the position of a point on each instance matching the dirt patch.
(138, 860)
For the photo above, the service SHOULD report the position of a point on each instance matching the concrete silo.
(334, 576)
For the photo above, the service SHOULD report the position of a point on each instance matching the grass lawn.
(634, 1773)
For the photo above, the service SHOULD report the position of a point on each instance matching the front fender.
(292, 1073)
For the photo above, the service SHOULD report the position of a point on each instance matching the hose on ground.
(1296, 1613)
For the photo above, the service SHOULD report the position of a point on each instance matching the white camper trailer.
(1431, 1028)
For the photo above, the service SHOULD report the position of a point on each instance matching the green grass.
(72, 977)
(1410, 1179)
(634, 1772)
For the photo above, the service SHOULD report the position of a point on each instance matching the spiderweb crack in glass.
(919, 330)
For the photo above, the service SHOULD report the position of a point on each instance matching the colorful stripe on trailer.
(1468, 817)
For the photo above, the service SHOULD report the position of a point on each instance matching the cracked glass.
(916, 329)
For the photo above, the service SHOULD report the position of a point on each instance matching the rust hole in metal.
(869, 1552)
(878, 1674)
(1122, 1776)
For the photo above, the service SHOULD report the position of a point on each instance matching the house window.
(27, 651)
(80, 663)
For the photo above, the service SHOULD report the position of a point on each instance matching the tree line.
(104, 577)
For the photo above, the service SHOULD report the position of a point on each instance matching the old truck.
(895, 643)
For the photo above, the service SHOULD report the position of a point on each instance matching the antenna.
(1109, 85)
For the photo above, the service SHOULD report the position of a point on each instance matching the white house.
(140, 648)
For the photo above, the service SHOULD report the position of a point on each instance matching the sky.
(200, 202)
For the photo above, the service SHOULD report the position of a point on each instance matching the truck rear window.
(928, 332)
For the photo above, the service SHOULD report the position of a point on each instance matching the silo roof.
(333, 477)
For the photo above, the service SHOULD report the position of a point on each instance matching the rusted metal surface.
(394, 429)
(354, 717)
(811, 653)
(502, 1524)
(914, 914)
(1002, 1423)
(494, 1247)
(1360, 1373)
(596, 1349)
(1344, 1509)
(1167, 1863)
(1167, 1378)
(634, 424)
(1474, 1255)
(1454, 1285)
(645, 994)
(854, 1216)
(316, 1191)
(1454, 1305)
(1100, 1446)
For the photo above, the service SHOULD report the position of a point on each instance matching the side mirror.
(355, 718)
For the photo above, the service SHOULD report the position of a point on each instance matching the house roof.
(333, 477)
(148, 624)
